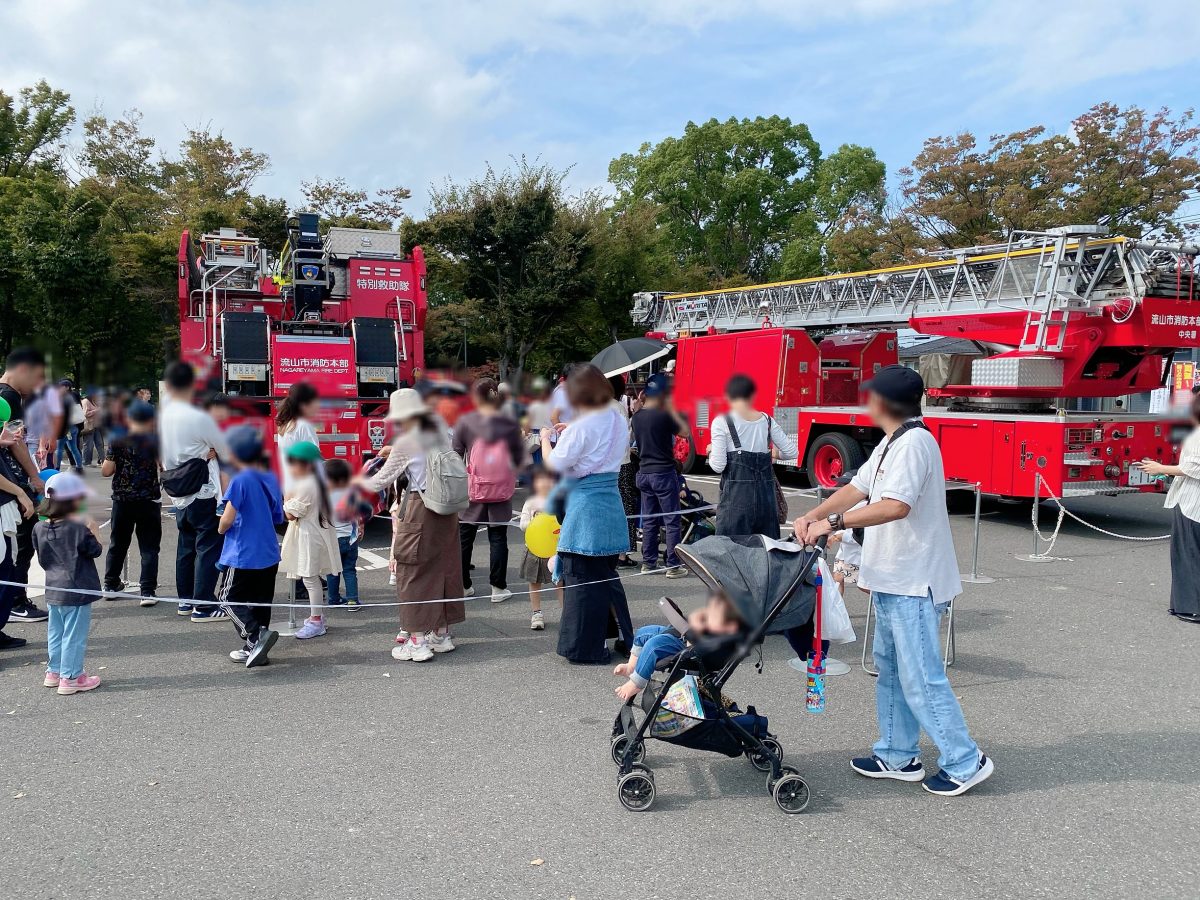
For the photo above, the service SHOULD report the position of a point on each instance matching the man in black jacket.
(24, 374)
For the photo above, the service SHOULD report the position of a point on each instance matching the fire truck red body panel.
(1070, 312)
(356, 337)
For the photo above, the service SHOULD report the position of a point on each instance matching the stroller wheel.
(784, 772)
(636, 791)
(760, 760)
(791, 794)
(619, 743)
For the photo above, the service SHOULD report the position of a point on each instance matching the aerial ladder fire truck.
(345, 312)
(1070, 312)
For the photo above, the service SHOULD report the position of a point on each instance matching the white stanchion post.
(1036, 556)
(975, 577)
(292, 625)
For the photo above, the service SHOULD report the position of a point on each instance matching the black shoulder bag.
(860, 533)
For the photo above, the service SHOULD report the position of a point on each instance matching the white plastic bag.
(835, 621)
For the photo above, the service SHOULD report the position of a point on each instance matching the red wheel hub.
(828, 465)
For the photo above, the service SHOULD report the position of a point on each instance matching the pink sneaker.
(84, 682)
(51, 679)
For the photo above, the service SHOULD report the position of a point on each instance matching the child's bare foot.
(623, 669)
(628, 691)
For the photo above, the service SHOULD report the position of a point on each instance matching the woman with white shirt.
(740, 451)
(588, 455)
(293, 424)
(1184, 498)
(425, 547)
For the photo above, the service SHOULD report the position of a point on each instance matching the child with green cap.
(310, 546)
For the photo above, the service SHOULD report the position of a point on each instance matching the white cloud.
(399, 93)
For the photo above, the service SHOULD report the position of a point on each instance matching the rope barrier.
(1063, 512)
(515, 521)
(114, 595)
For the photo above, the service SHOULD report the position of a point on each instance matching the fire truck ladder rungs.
(1045, 275)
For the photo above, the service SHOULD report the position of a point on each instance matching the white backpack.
(445, 482)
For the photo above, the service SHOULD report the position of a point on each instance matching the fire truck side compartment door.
(1004, 458)
(966, 448)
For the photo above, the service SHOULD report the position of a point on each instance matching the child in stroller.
(654, 643)
(769, 587)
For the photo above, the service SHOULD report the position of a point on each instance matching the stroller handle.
(757, 634)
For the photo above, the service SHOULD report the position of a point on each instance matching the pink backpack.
(491, 477)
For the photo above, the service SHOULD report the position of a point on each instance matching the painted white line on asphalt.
(372, 561)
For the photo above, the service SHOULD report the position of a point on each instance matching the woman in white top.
(425, 548)
(1184, 498)
(588, 455)
(293, 423)
(740, 450)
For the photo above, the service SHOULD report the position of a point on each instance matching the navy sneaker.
(27, 611)
(209, 614)
(874, 767)
(183, 609)
(945, 786)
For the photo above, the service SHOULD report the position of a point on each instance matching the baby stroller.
(696, 517)
(772, 586)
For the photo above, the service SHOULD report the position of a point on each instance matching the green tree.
(32, 131)
(339, 204)
(749, 199)
(522, 249)
(1127, 169)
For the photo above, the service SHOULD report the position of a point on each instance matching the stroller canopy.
(754, 572)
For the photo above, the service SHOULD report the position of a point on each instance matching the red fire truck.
(345, 312)
(1067, 313)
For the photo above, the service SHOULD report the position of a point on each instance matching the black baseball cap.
(899, 384)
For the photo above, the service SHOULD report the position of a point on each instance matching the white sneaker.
(239, 655)
(470, 591)
(402, 636)
(408, 651)
(310, 629)
(440, 643)
(499, 595)
(537, 622)
(148, 601)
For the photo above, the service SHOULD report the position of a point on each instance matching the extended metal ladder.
(1044, 274)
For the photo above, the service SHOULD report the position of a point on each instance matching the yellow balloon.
(541, 537)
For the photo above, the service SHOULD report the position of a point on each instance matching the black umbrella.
(625, 356)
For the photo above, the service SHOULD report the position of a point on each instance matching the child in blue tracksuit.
(67, 549)
(337, 476)
(250, 554)
(654, 643)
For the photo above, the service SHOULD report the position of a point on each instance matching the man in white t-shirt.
(185, 433)
(908, 565)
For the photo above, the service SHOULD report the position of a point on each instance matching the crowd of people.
(600, 459)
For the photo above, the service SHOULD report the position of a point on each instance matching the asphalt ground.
(339, 773)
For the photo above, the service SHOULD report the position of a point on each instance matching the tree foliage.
(520, 246)
(748, 198)
(531, 275)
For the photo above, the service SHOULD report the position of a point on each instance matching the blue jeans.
(66, 638)
(653, 644)
(660, 494)
(70, 444)
(913, 692)
(349, 548)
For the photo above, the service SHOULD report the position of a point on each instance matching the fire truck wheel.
(689, 464)
(832, 455)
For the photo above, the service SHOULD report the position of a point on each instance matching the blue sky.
(409, 93)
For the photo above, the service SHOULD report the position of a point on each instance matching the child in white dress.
(310, 545)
